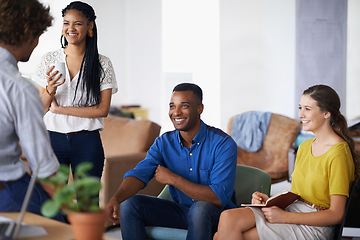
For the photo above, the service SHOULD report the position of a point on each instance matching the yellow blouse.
(316, 178)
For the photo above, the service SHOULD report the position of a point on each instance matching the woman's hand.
(51, 78)
(259, 198)
(274, 214)
(54, 107)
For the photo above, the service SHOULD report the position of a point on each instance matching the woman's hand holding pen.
(259, 198)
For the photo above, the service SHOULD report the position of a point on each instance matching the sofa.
(125, 143)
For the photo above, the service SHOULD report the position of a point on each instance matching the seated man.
(21, 111)
(197, 161)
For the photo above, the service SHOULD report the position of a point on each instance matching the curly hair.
(21, 20)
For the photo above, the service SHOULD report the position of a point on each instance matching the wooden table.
(56, 230)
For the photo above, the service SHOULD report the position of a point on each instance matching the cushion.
(126, 135)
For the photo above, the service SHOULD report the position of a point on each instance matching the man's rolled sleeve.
(145, 169)
(224, 172)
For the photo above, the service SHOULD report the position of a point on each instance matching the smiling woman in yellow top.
(325, 167)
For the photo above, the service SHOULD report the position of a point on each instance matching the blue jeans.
(85, 146)
(12, 197)
(200, 219)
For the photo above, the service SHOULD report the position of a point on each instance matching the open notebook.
(11, 229)
(281, 200)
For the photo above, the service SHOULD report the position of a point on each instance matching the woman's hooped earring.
(91, 33)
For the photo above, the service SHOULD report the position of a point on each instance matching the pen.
(261, 191)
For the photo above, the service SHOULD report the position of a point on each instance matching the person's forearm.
(45, 98)
(86, 112)
(320, 218)
(100, 110)
(48, 188)
(128, 188)
(195, 191)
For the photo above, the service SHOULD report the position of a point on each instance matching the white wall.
(49, 41)
(191, 54)
(143, 55)
(256, 47)
(353, 61)
(130, 35)
(257, 40)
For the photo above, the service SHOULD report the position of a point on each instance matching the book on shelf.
(281, 200)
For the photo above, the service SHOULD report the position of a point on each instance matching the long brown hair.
(328, 100)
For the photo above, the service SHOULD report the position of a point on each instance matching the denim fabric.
(12, 197)
(81, 147)
(201, 218)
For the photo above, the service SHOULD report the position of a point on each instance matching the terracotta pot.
(87, 226)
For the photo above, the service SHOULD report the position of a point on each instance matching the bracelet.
(47, 91)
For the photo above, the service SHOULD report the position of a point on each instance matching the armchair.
(273, 155)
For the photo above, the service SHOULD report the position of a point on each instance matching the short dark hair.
(190, 87)
(21, 20)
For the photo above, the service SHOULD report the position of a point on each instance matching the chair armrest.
(115, 168)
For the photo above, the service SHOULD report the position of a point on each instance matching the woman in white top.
(76, 104)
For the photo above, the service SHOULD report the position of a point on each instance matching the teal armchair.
(248, 180)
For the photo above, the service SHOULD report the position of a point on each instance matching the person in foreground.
(21, 111)
(324, 168)
(197, 161)
(75, 107)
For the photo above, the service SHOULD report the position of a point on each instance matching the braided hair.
(90, 66)
(328, 100)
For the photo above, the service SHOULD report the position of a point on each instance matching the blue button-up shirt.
(211, 161)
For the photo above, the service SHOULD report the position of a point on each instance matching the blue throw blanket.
(249, 129)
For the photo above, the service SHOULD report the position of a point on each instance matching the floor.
(114, 233)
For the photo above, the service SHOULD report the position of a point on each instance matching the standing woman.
(76, 105)
(325, 167)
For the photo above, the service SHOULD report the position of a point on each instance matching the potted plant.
(79, 199)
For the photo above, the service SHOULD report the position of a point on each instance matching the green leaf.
(61, 177)
(82, 169)
(50, 208)
(64, 169)
(82, 194)
(94, 208)
(65, 195)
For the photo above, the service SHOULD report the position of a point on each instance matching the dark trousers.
(200, 219)
(85, 146)
(12, 196)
